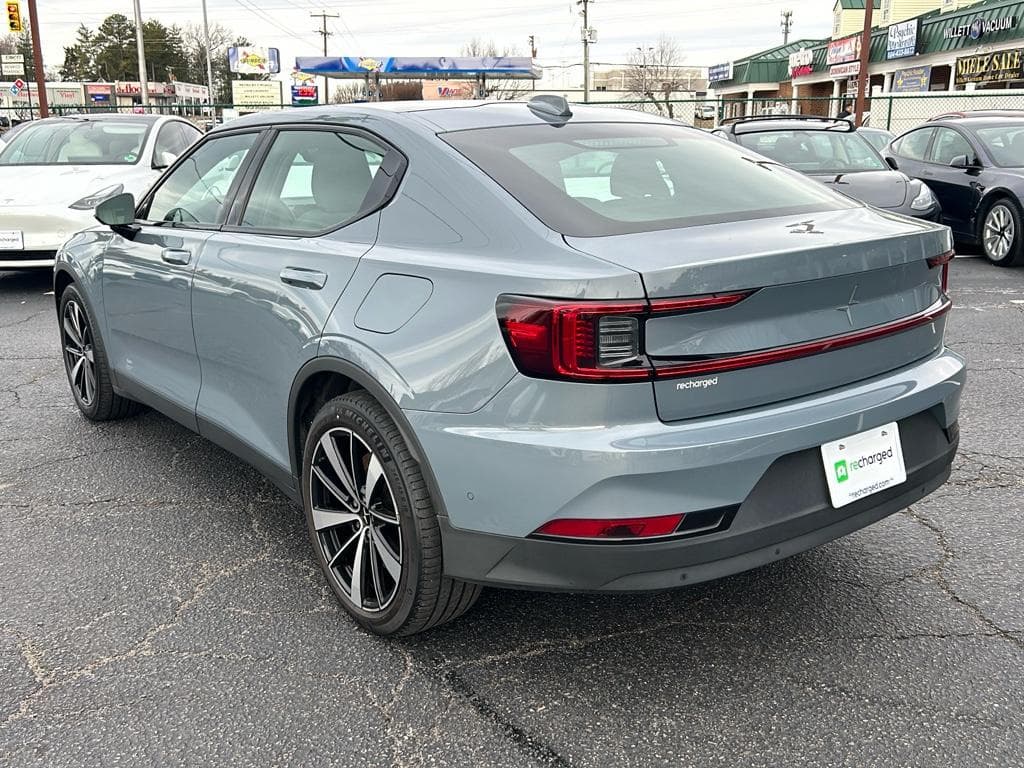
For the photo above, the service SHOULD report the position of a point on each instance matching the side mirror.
(891, 162)
(163, 159)
(960, 161)
(117, 211)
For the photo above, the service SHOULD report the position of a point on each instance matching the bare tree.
(501, 89)
(348, 92)
(655, 73)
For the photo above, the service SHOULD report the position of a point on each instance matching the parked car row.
(701, 360)
(965, 169)
(54, 172)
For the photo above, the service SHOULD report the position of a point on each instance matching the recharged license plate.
(863, 464)
(11, 240)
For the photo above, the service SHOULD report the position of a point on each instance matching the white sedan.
(54, 172)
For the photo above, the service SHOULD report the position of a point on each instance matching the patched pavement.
(160, 607)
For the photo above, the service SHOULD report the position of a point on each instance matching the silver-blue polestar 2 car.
(522, 344)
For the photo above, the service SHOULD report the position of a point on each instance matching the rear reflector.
(627, 528)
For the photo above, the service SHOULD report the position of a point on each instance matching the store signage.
(902, 39)
(844, 70)
(991, 67)
(305, 95)
(253, 95)
(98, 93)
(12, 64)
(126, 88)
(720, 72)
(911, 80)
(254, 60)
(801, 63)
(980, 27)
(842, 51)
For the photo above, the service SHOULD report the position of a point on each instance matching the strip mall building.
(916, 47)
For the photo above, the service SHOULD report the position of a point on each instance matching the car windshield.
(877, 138)
(77, 142)
(1005, 143)
(815, 151)
(591, 179)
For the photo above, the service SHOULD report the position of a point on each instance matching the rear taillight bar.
(805, 349)
(942, 260)
(602, 341)
(590, 340)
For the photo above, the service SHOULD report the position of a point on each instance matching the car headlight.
(89, 202)
(924, 200)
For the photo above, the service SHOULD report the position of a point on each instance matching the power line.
(324, 16)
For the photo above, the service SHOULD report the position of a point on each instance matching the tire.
(1001, 233)
(389, 535)
(85, 361)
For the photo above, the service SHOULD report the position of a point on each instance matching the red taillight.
(590, 340)
(626, 528)
(942, 260)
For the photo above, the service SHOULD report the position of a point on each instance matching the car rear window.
(593, 179)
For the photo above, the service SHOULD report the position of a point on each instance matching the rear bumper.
(27, 259)
(44, 228)
(787, 512)
(542, 450)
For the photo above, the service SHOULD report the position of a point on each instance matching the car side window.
(172, 140)
(947, 145)
(312, 181)
(914, 145)
(195, 192)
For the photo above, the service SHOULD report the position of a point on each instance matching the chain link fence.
(895, 112)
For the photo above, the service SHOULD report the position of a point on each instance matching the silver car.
(524, 345)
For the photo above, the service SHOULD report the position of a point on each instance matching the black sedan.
(974, 163)
(833, 152)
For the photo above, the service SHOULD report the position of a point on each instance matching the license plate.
(11, 240)
(863, 464)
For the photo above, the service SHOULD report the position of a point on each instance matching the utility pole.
(587, 36)
(141, 49)
(533, 55)
(787, 25)
(324, 16)
(209, 61)
(37, 61)
(863, 79)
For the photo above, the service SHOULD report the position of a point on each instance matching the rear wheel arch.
(991, 197)
(324, 378)
(62, 278)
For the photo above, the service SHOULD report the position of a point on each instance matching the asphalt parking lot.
(159, 606)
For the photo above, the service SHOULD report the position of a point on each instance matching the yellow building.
(895, 11)
(848, 17)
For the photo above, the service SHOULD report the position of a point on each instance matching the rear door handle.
(176, 255)
(304, 278)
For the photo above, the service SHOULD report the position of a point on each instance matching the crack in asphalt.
(939, 577)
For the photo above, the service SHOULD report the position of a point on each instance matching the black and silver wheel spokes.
(78, 352)
(356, 519)
(999, 232)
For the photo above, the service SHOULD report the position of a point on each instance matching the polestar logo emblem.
(851, 303)
(804, 228)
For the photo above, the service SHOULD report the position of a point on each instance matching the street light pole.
(141, 48)
(209, 61)
(864, 79)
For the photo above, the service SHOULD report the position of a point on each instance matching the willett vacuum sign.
(980, 27)
(991, 67)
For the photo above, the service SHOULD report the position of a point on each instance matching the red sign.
(19, 83)
(842, 51)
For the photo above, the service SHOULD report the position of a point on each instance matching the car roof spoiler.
(827, 123)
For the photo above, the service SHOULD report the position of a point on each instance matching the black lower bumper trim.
(787, 512)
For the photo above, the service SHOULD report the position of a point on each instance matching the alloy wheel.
(999, 232)
(356, 519)
(79, 355)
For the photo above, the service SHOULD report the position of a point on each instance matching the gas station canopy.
(413, 67)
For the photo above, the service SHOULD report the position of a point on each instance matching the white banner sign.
(844, 70)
